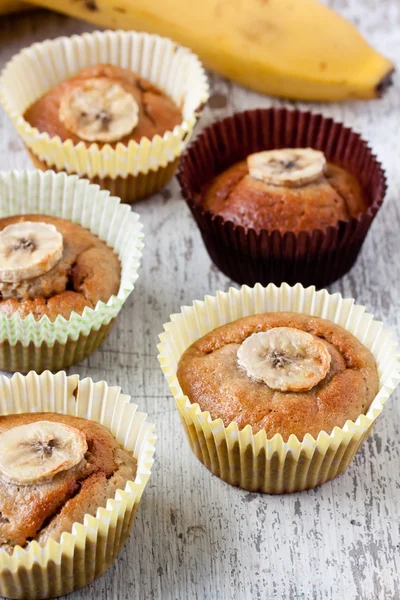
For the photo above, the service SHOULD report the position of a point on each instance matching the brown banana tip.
(384, 83)
(91, 5)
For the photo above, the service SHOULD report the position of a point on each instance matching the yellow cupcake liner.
(251, 461)
(174, 69)
(27, 344)
(90, 548)
(131, 188)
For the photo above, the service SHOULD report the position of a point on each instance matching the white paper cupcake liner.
(173, 68)
(89, 549)
(68, 197)
(252, 461)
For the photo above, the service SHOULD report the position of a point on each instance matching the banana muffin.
(286, 373)
(105, 104)
(292, 189)
(51, 266)
(54, 469)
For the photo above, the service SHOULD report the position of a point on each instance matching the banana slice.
(99, 110)
(28, 250)
(292, 167)
(284, 358)
(35, 452)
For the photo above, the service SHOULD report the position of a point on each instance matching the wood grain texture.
(194, 536)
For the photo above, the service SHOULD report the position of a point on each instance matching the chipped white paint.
(194, 536)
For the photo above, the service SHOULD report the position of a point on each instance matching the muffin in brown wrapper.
(316, 257)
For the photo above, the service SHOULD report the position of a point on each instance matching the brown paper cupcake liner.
(131, 188)
(315, 258)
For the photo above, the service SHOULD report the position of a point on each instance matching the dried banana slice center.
(28, 249)
(99, 110)
(35, 452)
(292, 167)
(286, 359)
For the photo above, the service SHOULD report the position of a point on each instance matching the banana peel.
(298, 49)
(8, 7)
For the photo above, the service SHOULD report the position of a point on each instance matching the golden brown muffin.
(157, 112)
(238, 197)
(45, 508)
(87, 272)
(210, 375)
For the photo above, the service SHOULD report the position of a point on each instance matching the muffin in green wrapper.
(73, 254)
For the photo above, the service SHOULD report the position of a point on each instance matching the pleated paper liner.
(130, 188)
(251, 461)
(92, 546)
(316, 258)
(26, 344)
(174, 69)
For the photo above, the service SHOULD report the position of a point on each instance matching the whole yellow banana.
(297, 49)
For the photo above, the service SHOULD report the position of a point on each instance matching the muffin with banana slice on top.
(284, 373)
(105, 104)
(109, 106)
(51, 266)
(290, 189)
(119, 109)
(55, 469)
(282, 196)
(75, 459)
(277, 387)
(69, 258)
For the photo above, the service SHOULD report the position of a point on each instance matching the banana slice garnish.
(292, 167)
(284, 358)
(28, 250)
(99, 110)
(37, 451)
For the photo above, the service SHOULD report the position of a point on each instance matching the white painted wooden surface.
(194, 536)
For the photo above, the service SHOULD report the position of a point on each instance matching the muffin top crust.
(254, 371)
(285, 190)
(54, 469)
(77, 268)
(104, 104)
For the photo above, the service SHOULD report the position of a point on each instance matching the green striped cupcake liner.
(27, 344)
